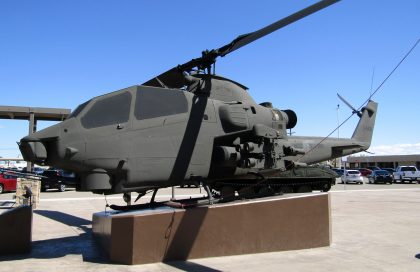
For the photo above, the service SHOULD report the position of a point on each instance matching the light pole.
(338, 121)
(338, 160)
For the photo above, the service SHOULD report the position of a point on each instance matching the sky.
(62, 53)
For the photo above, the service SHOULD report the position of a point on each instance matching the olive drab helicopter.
(187, 124)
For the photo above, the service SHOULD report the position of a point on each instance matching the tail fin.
(364, 129)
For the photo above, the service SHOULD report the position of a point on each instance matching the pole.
(32, 129)
(173, 193)
(338, 122)
(338, 160)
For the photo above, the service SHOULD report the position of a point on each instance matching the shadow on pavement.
(66, 219)
(190, 266)
(82, 244)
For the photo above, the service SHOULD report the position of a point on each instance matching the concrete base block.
(252, 226)
(16, 230)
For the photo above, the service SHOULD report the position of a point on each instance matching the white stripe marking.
(375, 190)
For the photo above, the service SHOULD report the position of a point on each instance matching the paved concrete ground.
(374, 228)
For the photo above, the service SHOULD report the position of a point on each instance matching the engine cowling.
(288, 115)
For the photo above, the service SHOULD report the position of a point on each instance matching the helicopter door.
(106, 123)
(159, 119)
(155, 107)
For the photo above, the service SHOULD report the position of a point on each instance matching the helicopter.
(187, 124)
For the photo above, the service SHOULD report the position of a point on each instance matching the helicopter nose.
(34, 146)
(32, 149)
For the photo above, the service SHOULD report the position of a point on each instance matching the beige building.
(390, 161)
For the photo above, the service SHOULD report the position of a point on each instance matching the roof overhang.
(24, 113)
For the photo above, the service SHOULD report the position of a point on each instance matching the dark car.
(380, 176)
(339, 171)
(35, 170)
(365, 171)
(57, 179)
(373, 168)
(390, 170)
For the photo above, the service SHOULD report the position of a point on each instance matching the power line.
(376, 90)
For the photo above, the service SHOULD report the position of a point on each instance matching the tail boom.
(321, 149)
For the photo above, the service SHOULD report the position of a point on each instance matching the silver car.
(352, 176)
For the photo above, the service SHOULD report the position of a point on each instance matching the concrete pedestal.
(253, 226)
(16, 230)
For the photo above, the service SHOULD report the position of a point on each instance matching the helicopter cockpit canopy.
(115, 108)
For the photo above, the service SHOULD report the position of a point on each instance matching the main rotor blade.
(174, 78)
(245, 39)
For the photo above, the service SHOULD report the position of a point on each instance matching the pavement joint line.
(375, 190)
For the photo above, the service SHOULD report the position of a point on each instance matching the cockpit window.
(151, 103)
(108, 111)
(78, 109)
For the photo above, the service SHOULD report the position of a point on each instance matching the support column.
(32, 129)
(173, 193)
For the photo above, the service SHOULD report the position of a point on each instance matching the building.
(389, 161)
(12, 162)
(33, 115)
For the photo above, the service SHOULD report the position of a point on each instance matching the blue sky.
(61, 53)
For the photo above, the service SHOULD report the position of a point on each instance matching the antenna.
(377, 89)
(371, 82)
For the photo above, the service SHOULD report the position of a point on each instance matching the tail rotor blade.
(350, 106)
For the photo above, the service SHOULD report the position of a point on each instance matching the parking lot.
(186, 192)
(374, 228)
(366, 186)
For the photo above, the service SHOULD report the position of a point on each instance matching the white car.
(409, 173)
(352, 176)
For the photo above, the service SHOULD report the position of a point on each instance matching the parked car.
(382, 176)
(352, 176)
(373, 168)
(390, 170)
(35, 170)
(7, 182)
(339, 171)
(57, 179)
(409, 173)
(365, 171)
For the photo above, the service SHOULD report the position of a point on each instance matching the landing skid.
(183, 203)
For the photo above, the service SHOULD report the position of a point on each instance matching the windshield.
(408, 168)
(353, 172)
(78, 109)
(381, 172)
